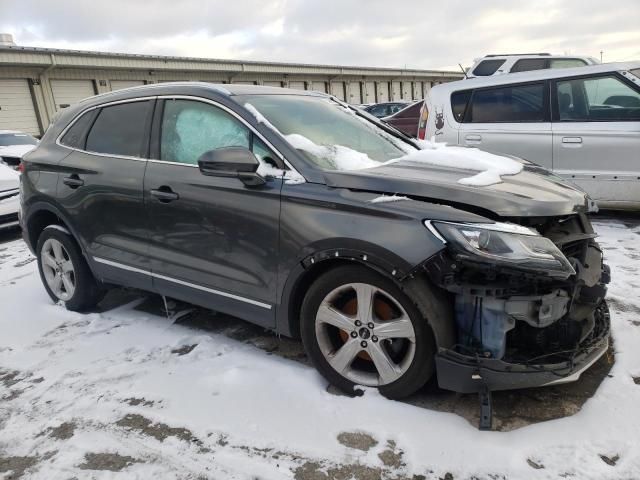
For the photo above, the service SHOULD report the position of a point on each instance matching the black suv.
(253, 201)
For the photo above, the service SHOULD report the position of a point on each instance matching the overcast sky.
(389, 33)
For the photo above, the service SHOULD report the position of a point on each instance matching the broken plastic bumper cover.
(469, 374)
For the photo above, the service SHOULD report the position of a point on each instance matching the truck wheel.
(359, 328)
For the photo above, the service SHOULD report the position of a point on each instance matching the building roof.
(78, 58)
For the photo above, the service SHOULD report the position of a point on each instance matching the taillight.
(422, 123)
(20, 167)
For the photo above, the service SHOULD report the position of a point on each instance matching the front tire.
(64, 271)
(359, 328)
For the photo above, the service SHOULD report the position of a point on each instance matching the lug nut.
(370, 325)
(354, 334)
(374, 339)
(363, 344)
(358, 323)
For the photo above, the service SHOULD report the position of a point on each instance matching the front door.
(100, 187)
(596, 137)
(214, 240)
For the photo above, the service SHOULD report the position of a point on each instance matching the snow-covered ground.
(129, 393)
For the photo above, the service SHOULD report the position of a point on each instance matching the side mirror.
(235, 162)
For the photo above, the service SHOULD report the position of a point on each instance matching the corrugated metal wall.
(67, 77)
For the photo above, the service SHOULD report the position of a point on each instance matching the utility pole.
(601, 52)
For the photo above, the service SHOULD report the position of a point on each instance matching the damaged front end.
(529, 302)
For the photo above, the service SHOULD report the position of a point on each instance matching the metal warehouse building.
(37, 82)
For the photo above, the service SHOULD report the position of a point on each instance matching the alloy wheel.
(58, 269)
(365, 334)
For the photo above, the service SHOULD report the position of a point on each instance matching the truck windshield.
(330, 135)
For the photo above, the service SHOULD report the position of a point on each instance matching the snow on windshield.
(339, 157)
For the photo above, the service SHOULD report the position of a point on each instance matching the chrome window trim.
(95, 107)
(111, 263)
(164, 97)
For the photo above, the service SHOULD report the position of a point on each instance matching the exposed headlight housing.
(503, 244)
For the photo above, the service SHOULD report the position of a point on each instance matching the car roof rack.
(515, 54)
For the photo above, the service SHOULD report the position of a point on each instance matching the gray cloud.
(414, 33)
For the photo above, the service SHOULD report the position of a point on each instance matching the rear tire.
(405, 340)
(64, 271)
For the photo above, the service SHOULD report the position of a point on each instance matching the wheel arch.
(439, 312)
(40, 216)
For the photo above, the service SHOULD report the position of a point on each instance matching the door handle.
(571, 139)
(164, 194)
(73, 181)
(473, 138)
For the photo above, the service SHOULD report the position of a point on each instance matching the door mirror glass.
(237, 162)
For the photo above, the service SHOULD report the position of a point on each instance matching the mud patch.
(636, 380)
(357, 440)
(107, 461)
(623, 307)
(135, 402)
(535, 465)
(159, 431)
(184, 350)
(391, 457)
(16, 465)
(9, 378)
(611, 461)
(63, 431)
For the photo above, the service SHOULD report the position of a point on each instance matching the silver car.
(582, 123)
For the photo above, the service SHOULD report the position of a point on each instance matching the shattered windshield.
(329, 134)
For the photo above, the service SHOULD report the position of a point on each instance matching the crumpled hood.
(532, 192)
(18, 151)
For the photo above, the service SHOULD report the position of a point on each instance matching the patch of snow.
(490, 166)
(9, 176)
(389, 198)
(341, 158)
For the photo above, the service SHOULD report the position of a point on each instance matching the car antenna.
(464, 72)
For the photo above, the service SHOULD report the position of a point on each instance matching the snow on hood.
(16, 150)
(490, 166)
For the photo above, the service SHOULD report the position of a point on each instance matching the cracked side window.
(191, 128)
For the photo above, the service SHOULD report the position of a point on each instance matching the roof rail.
(515, 54)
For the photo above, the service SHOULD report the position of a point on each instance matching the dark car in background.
(295, 212)
(407, 119)
(385, 109)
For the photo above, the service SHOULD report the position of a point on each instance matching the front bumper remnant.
(470, 374)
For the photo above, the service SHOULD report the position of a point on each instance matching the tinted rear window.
(511, 103)
(487, 67)
(76, 135)
(528, 64)
(119, 129)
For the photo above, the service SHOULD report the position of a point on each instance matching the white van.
(525, 62)
(582, 123)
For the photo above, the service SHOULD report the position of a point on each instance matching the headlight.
(504, 244)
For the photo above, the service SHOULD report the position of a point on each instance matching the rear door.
(100, 188)
(214, 240)
(596, 136)
(510, 119)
